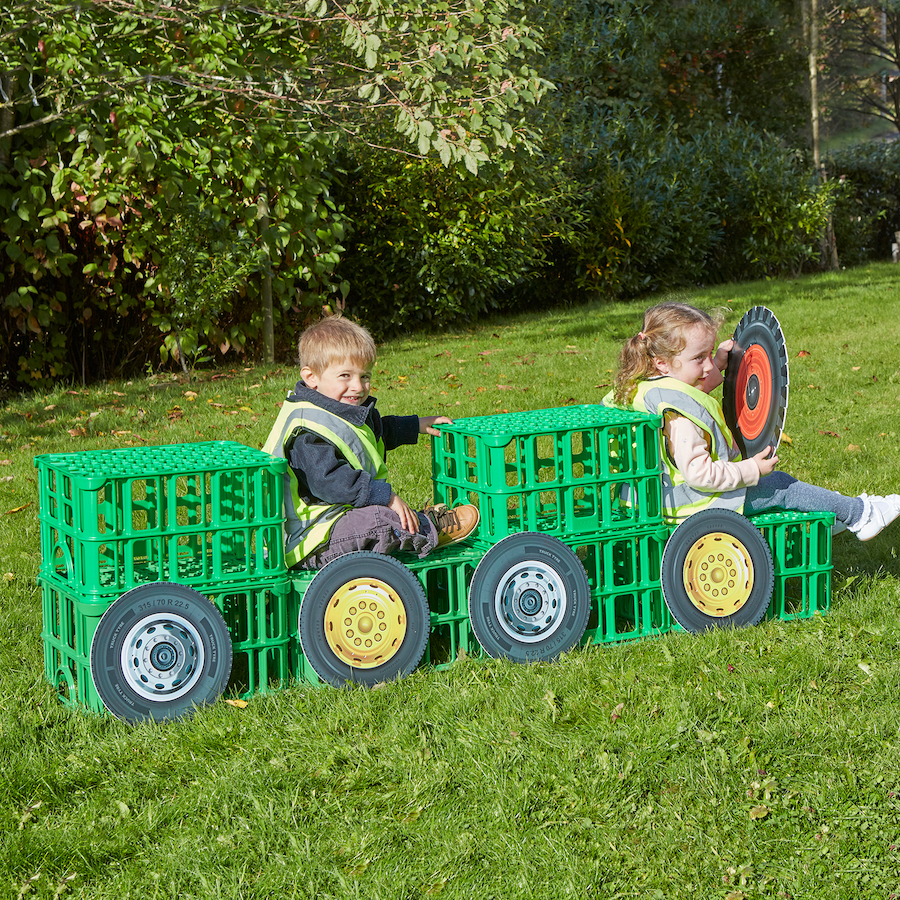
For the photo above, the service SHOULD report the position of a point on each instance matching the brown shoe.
(453, 525)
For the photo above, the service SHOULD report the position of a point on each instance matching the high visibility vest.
(307, 525)
(666, 397)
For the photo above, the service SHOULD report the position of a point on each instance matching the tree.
(864, 59)
(118, 112)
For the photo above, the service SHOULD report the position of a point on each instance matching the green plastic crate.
(262, 622)
(558, 471)
(261, 618)
(196, 514)
(445, 576)
(69, 623)
(801, 552)
(623, 571)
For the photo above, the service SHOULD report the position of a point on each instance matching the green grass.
(763, 762)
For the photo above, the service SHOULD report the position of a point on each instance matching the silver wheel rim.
(530, 601)
(162, 657)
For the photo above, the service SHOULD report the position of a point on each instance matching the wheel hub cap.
(162, 657)
(718, 574)
(530, 601)
(365, 623)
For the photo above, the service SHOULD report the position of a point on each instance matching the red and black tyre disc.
(756, 383)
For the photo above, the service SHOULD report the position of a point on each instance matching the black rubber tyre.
(717, 572)
(364, 619)
(529, 599)
(159, 651)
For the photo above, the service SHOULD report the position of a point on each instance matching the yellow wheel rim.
(365, 623)
(718, 574)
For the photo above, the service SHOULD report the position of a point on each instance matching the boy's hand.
(427, 423)
(765, 463)
(409, 520)
(720, 360)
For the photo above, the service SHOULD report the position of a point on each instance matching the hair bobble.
(642, 336)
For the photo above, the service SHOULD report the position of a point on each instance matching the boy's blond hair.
(335, 340)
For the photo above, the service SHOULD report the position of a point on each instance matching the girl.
(669, 368)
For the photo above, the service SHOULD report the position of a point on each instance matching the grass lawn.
(763, 762)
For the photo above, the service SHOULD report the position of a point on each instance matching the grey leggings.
(781, 489)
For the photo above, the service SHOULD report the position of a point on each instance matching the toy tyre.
(364, 619)
(529, 599)
(717, 572)
(158, 652)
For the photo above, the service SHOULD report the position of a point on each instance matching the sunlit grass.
(755, 763)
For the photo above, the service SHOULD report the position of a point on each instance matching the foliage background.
(416, 165)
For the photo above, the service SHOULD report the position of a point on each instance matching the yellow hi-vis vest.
(667, 397)
(307, 525)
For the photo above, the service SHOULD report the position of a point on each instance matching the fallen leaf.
(118, 394)
(505, 387)
(852, 448)
(78, 432)
(865, 668)
(602, 384)
(6, 478)
(176, 412)
(617, 712)
(239, 704)
(17, 509)
(856, 368)
(5, 462)
(759, 812)
(804, 353)
(29, 812)
(48, 408)
(9, 577)
(786, 439)
(830, 433)
(191, 395)
(735, 895)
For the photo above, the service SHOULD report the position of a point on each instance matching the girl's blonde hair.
(662, 336)
(335, 340)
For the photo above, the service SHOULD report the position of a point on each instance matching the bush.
(868, 209)
(429, 246)
(773, 209)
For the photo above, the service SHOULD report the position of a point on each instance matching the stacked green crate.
(562, 472)
(801, 553)
(207, 515)
(587, 475)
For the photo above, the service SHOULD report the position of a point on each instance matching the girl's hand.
(720, 360)
(427, 423)
(765, 463)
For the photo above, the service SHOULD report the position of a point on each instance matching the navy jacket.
(323, 474)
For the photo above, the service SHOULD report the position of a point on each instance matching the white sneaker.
(878, 513)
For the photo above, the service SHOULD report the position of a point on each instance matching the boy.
(339, 499)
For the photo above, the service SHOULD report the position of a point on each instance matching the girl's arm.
(687, 444)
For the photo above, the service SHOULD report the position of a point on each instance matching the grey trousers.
(375, 528)
(781, 489)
